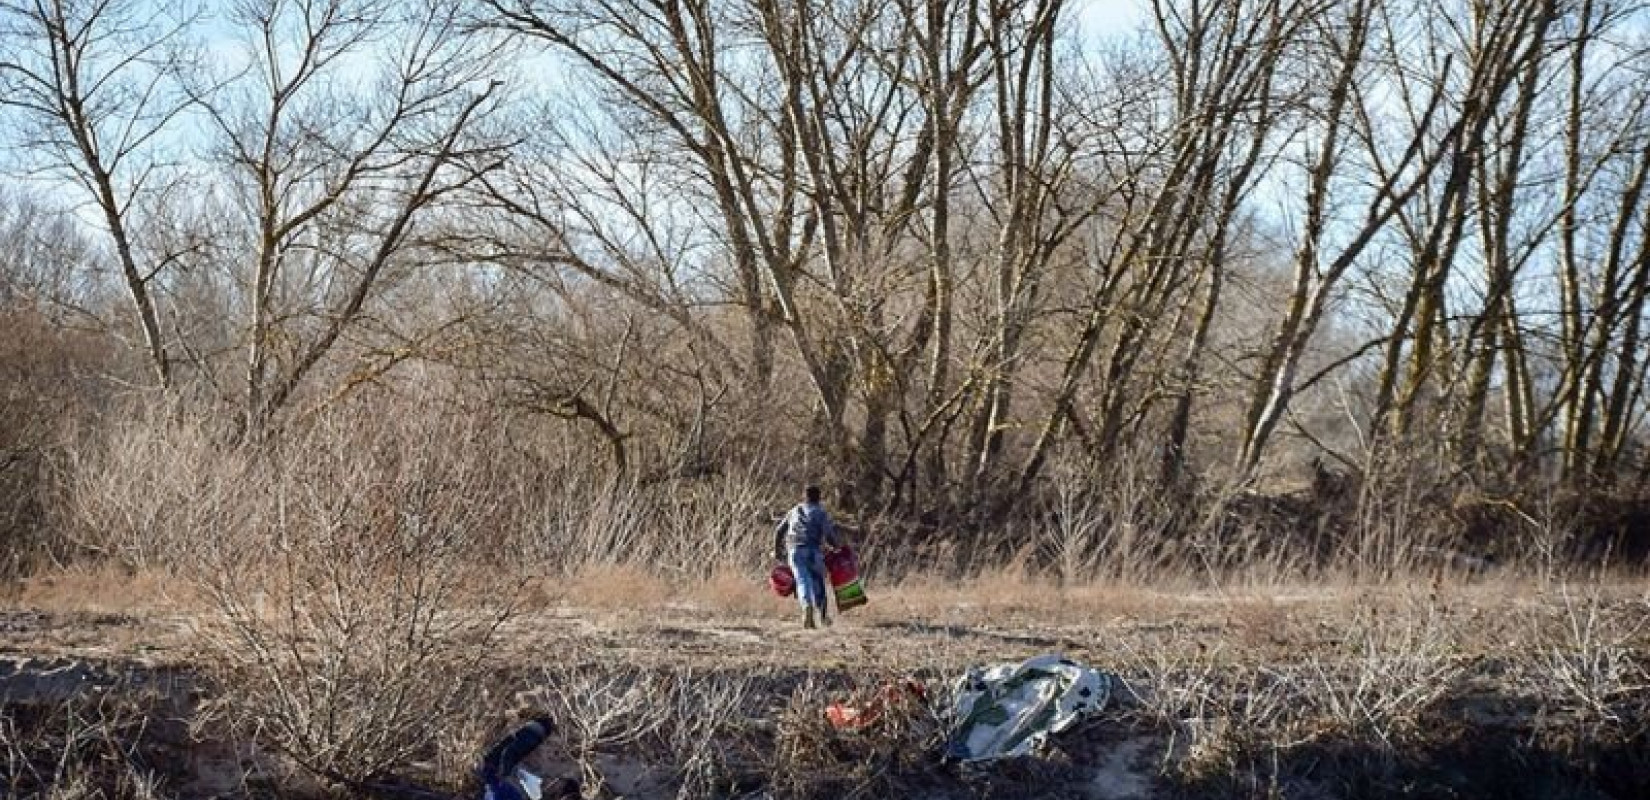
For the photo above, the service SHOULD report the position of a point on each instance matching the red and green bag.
(842, 566)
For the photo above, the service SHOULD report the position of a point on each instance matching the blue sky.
(1105, 18)
(226, 47)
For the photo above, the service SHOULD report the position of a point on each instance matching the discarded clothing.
(1011, 709)
(501, 776)
(864, 711)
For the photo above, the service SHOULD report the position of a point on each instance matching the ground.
(1476, 688)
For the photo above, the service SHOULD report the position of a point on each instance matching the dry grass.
(101, 588)
(87, 746)
(613, 587)
(1277, 691)
(365, 604)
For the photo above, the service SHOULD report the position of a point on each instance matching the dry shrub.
(601, 711)
(1221, 717)
(695, 733)
(1231, 719)
(1586, 667)
(728, 521)
(584, 521)
(1389, 671)
(679, 529)
(93, 745)
(713, 734)
(703, 733)
(1180, 683)
(43, 391)
(897, 751)
(1109, 522)
(1391, 532)
(348, 616)
(805, 764)
(148, 493)
(463, 735)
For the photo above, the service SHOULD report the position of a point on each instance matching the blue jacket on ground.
(498, 766)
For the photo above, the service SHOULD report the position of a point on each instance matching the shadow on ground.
(963, 631)
(1126, 753)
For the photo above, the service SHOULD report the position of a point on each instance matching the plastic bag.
(842, 566)
(781, 580)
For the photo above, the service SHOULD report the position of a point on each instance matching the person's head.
(812, 493)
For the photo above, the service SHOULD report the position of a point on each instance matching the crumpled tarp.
(1010, 709)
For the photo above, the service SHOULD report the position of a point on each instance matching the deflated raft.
(1011, 709)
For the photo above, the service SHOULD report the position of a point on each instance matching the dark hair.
(812, 493)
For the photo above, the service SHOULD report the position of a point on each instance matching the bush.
(346, 612)
(41, 394)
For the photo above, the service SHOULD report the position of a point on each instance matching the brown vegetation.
(1489, 688)
(355, 334)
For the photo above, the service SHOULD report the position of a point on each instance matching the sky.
(225, 47)
(1103, 18)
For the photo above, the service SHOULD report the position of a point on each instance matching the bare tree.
(1324, 254)
(801, 148)
(1178, 199)
(1028, 171)
(335, 170)
(93, 83)
(1496, 334)
(1500, 43)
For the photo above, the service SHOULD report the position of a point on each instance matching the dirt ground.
(1422, 689)
(918, 627)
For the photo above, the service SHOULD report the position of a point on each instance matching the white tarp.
(1008, 710)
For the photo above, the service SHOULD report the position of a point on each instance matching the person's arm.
(779, 537)
(500, 761)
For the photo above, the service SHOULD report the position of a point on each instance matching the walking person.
(801, 539)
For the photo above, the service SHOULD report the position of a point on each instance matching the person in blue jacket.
(801, 539)
(500, 775)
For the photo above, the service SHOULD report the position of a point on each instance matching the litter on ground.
(862, 712)
(1011, 709)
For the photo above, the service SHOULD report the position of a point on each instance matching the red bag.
(781, 580)
(843, 568)
(842, 565)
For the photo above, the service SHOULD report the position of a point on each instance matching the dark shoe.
(808, 617)
(824, 618)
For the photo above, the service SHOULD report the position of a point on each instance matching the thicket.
(355, 313)
(1287, 266)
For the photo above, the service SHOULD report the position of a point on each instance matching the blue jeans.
(808, 564)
